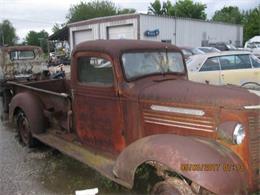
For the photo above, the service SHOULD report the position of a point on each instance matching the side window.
(227, 62)
(243, 62)
(255, 61)
(211, 64)
(95, 71)
(235, 62)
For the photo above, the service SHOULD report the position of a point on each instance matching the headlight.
(231, 132)
(239, 134)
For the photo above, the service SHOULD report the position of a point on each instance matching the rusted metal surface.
(16, 68)
(254, 147)
(116, 47)
(108, 119)
(56, 106)
(178, 151)
(198, 94)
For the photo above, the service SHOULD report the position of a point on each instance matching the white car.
(229, 67)
(253, 45)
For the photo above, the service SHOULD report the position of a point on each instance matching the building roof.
(116, 47)
(103, 19)
(136, 15)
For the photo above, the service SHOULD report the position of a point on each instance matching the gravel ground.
(42, 170)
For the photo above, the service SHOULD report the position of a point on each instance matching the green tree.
(182, 8)
(156, 8)
(251, 22)
(189, 9)
(228, 14)
(126, 11)
(56, 27)
(7, 33)
(94, 9)
(38, 39)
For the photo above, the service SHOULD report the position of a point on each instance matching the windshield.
(147, 63)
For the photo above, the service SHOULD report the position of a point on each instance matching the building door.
(121, 32)
(81, 36)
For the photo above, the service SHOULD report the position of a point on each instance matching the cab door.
(209, 72)
(97, 108)
(236, 69)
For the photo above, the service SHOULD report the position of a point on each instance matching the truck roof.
(20, 48)
(116, 47)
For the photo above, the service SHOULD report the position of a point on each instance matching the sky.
(26, 15)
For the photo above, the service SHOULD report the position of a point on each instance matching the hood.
(182, 91)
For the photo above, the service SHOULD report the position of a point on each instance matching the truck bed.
(58, 86)
(55, 96)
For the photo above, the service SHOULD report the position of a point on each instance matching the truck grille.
(193, 123)
(254, 145)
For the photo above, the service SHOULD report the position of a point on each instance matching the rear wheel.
(24, 131)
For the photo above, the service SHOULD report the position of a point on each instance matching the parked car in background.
(208, 49)
(253, 45)
(231, 67)
(189, 51)
(222, 46)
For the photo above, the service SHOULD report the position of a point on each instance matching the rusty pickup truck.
(129, 105)
(20, 63)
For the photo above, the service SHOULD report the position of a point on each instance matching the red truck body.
(162, 120)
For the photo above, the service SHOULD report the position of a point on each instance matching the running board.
(99, 163)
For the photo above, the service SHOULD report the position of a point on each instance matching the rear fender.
(175, 152)
(33, 109)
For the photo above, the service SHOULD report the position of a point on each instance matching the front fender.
(176, 151)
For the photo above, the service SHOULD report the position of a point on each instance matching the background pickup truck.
(20, 63)
(129, 105)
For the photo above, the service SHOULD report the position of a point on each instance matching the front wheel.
(24, 131)
(171, 186)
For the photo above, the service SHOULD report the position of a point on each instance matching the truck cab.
(17, 62)
(129, 104)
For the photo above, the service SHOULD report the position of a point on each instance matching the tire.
(164, 188)
(24, 130)
(171, 186)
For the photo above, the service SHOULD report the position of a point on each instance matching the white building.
(178, 31)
